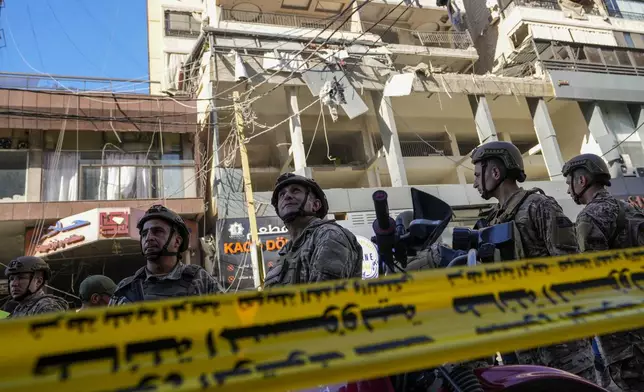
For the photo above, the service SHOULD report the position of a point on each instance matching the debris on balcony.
(421, 69)
(320, 75)
(400, 85)
(240, 68)
(282, 61)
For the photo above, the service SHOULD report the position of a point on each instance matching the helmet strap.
(488, 193)
(576, 197)
(28, 292)
(164, 250)
(290, 217)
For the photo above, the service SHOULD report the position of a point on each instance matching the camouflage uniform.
(29, 304)
(544, 231)
(39, 303)
(324, 251)
(183, 280)
(597, 230)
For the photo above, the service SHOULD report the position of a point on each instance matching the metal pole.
(256, 250)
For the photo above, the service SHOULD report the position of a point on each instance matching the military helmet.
(290, 178)
(158, 211)
(28, 264)
(507, 152)
(594, 164)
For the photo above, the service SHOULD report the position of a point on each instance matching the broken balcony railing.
(290, 20)
(436, 39)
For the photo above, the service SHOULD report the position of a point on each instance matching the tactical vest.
(290, 269)
(24, 310)
(139, 289)
(508, 216)
(633, 224)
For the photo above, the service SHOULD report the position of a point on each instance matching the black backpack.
(634, 225)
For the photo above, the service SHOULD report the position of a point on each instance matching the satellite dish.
(246, 12)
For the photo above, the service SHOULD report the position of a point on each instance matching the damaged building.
(359, 95)
(592, 52)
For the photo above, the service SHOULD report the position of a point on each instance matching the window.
(13, 175)
(181, 24)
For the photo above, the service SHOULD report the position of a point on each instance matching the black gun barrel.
(382, 209)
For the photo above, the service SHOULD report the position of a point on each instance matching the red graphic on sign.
(270, 264)
(114, 224)
(231, 279)
(230, 268)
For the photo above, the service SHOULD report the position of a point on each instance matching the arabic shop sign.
(55, 237)
(234, 248)
(114, 224)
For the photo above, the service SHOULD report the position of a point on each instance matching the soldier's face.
(154, 236)
(492, 176)
(19, 283)
(291, 198)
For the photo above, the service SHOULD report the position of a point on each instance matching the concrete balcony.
(283, 19)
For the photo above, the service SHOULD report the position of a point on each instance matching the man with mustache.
(164, 237)
(542, 229)
(319, 249)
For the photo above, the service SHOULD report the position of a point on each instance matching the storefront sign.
(55, 245)
(234, 249)
(53, 231)
(114, 224)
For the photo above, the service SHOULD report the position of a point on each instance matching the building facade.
(416, 95)
(79, 170)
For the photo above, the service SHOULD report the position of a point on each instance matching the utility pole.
(255, 247)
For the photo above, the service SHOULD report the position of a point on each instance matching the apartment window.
(115, 175)
(629, 40)
(13, 175)
(181, 24)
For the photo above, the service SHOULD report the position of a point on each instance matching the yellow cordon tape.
(323, 334)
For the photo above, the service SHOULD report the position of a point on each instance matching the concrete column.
(282, 143)
(505, 136)
(483, 118)
(547, 137)
(600, 129)
(637, 113)
(356, 22)
(390, 141)
(373, 172)
(35, 168)
(456, 151)
(187, 148)
(297, 141)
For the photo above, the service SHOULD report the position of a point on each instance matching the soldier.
(28, 276)
(607, 223)
(543, 230)
(96, 291)
(319, 249)
(164, 237)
